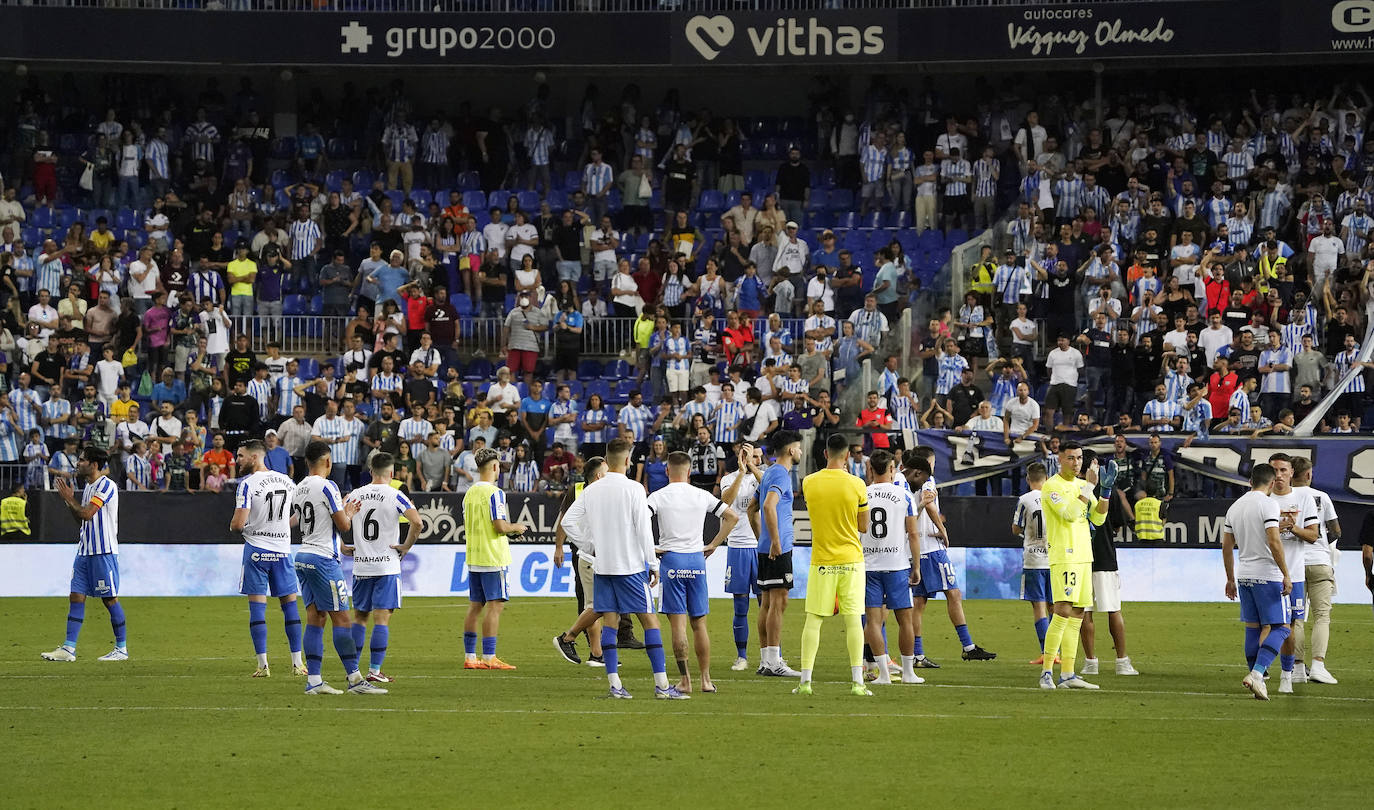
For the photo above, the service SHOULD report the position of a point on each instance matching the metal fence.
(322, 336)
(567, 6)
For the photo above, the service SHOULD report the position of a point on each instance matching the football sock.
(853, 640)
(380, 636)
(348, 652)
(293, 629)
(919, 648)
(610, 653)
(1054, 636)
(908, 666)
(965, 638)
(257, 628)
(653, 647)
(488, 647)
(740, 624)
(771, 655)
(470, 645)
(1286, 662)
(1042, 625)
(76, 614)
(1070, 645)
(1269, 650)
(117, 624)
(811, 642)
(359, 636)
(1252, 642)
(314, 649)
(883, 676)
(806, 676)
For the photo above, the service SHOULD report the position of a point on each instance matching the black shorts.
(974, 347)
(1061, 397)
(775, 573)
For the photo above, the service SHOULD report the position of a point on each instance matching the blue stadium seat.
(462, 304)
(931, 239)
(96, 213)
(557, 199)
(873, 219)
(711, 201)
(620, 395)
(284, 148)
(30, 235)
(529, 201)
(441, 197)
(828, 177)
(334, 180)
(309, 368)
(768, 149)
(841, 199)
(956, 237)
(421, 198)
(397, 197)
(67, 217)
(469, 181)
(339, 148)
(601, 387)
(43, 218)
(497, 199)
(853, 239)
(574, 390)
(820, 200)
(589, 369)
(732, 199)
(478, 370)
(818, 219)
(901, 219)
(293, 305)
(757, 178)
(572, 181)
(618, 370)
(475, 201)
(362, 181)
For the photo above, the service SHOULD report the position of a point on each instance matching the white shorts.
(677, 379)
(1106, 592)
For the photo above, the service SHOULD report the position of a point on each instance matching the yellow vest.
(13, 517)
(1148, 524)
(980, 278)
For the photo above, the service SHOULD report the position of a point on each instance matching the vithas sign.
(754, 38)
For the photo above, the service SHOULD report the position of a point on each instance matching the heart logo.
(710, 35)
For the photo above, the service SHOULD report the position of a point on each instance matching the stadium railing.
(545, 6)
(322, 336)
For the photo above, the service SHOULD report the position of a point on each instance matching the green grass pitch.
(182, 724)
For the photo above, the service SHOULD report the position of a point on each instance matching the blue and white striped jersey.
(434, 147)
(596, 177)
(100, 534)
(261, 390)
(305, 238)
(873, 164)
(138, 470)
(727, 417)
(1166, 410)
(985, 177)
(1276, 382)
(635, 421)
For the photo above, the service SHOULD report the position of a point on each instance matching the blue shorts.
(741, 571)
(322, 582)
(377, 593)
(1297, 601)
(684, 583)
(488, 586)
(937, 575)
(267, 573)
(890, 589)
(96, 575)
(1263, 602)
(1035, 584)
(621, 593)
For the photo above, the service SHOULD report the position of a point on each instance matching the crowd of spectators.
(1176, 260)
(735, 319)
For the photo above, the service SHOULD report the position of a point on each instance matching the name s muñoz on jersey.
(886, 546)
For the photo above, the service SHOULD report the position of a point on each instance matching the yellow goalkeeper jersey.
(1067, 530)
